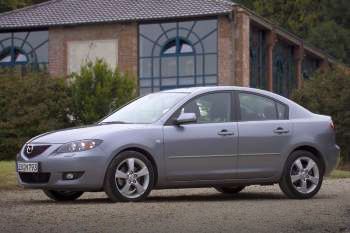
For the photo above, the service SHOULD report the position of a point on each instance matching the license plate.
(28, 167)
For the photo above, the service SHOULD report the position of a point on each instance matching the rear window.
(258, 108)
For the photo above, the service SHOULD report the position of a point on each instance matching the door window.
(210, 108)
(258, 108)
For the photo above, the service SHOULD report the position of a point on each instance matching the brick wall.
(125, 33)
(226, 51)
(234, 55)
(242, 48)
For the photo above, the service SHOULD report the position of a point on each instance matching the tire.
(126, 182)
(63, 195)
(230, 190)
(302, 180)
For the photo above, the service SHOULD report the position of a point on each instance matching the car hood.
(80, 133)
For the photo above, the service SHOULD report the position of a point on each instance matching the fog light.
(69, 176)
(72, 175)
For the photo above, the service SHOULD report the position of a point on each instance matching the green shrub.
(30, 105)
(98, 90)
(329, 93)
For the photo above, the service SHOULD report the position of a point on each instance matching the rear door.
(264, 132)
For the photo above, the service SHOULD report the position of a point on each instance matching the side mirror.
(186, 118)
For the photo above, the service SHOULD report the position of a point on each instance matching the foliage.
(30, 105)
(323, 23)
(328, 93)
(97, 90)
(7, 5)
(35, 103)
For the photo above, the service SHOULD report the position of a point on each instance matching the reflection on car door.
(207, 149)
(264, 132)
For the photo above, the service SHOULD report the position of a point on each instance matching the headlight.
(78, 146)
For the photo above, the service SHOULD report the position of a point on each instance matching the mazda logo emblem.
(30, 149)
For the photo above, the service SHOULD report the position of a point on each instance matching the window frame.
(238, 106)
(201, 77)
(233, 113)
(32, 53)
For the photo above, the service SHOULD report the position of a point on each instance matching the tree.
(97, 90)
(328, 93)
(8, 5)
(323, 23)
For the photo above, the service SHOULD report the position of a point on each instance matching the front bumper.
(92, 164)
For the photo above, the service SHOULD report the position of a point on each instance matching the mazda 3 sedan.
(221, 137)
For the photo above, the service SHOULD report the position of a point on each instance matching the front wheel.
(63, 195)
(303, 175)
(130, 177)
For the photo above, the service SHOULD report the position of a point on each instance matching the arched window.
(13, 56)
(29, 49)
(177, 54)
(177, 46)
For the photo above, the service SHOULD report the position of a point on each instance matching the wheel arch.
(314, 151)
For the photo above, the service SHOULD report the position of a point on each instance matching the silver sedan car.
(221, 137)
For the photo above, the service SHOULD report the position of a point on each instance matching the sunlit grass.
(8, 175)
(339, 174)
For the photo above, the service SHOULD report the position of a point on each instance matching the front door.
(264, 133)
(207, 149)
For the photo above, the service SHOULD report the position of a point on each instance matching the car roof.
(197, 90)
(208, 88)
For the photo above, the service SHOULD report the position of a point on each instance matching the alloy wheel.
(132, 178)
(304, 175)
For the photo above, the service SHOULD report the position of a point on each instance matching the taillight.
(331, 124)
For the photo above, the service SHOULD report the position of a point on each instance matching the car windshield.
(145, 110)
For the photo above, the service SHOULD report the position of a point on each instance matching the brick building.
(165, 43)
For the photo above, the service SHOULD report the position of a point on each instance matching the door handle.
(280, 130)
(225, 132)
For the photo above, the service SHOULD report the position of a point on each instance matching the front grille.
(35, 178)
(34, 150)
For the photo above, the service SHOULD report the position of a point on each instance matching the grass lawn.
(339, 174)
(8, 175)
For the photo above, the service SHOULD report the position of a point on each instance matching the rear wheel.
(230, 190)
(63, 195)
(303, 175)
(130, 177)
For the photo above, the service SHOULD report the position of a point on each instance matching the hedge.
(30, 105)
(35, 103)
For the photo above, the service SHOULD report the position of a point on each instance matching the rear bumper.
(92, 165)
(332, 157)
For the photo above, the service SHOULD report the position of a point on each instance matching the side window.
(258, 108)
(282, 111)
(210, 108)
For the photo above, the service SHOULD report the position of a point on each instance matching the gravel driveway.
(257, 209)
